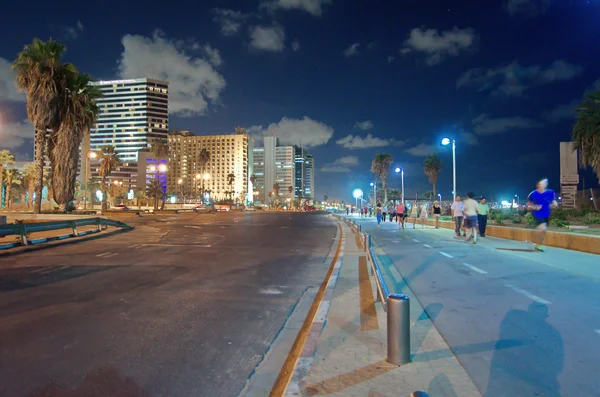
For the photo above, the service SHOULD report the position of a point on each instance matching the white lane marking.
(111, 255)
(446, 255)
(427, 246)
(103, 254)
(270, 291)
(416, 241)
(136, 246)
(52, 269)
(528, 294)
(475, 269)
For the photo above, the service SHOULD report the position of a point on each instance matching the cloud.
(528, 8)
(468, 138)
(267, 38)
(439, 45)
(423, 150)
(341, 165)
(213, 55)
(483, 125)
(8, 85)
(295, 45)
(347, 160)
(14, 134)
(193, 81)
(305, 131)
(514, 79)
(72, 32)
(351, 51)
(231, 21)
(594, 87)
(390, 59)
(562, 112)
(313, 7)
(526, 160)
(368, 142)
(364, 125)
(333, 168)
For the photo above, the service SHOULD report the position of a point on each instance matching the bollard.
(398, 329)
(419, 394)
(367, 242)
(359, 227)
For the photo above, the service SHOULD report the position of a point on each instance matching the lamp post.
(517, 197)
(205, 177)
(88, 172)
(446, 142)
(374, 184)
(440, 196)
(357, 193)
(401, 170)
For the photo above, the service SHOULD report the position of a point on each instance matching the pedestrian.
(366, 211)
(379, 214)
(424, 212)
(347, 211)
(437, 212)
(541, 202)
(482, 215)
(384, 212)
(414, 212)
(470, 211)
(457, 208)
(370, 211)
(400, 214)
(390, 210)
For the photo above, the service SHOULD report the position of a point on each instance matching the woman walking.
(379, 213)
(414, 212)
(400, 214)
(390, 210)
(423, 214)
(437, 212)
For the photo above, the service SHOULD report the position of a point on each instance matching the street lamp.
(88, 171)
(445, 142)
(357, 193)
(374, 184)
(440, 196)
(401, 170)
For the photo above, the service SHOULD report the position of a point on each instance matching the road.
(184, 305)
(522, 323)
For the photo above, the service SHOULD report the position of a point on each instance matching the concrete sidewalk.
(352, 349)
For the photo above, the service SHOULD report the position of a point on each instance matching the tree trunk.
(155, 203)
(434, 191)
(40, 137)
(1, 186)
(104, 196)
(384, 185)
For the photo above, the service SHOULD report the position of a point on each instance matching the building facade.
(304, 174)
(131, 114)
(229, 154)
(274, 164)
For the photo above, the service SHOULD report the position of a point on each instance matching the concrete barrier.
(566, 240)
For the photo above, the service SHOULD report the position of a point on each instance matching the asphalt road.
(522, 323)
(184, 305)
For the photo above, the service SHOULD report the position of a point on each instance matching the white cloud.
(14, 134)
(72, 32)
(296, 45)
(562, 112)
(351, 51)
(334, 168)
(341, 165)
(8, 86)
(483, 125)
(514, 79)
(439, 45)
(193, 81)
(390, 59)
(468, 138)
(423, 150)
(364, 125)
(213, 55)
(528, 7)
(313, 7)
(347, 160)
(305, 131)
(231, 21)
(267, 38)
(368, 142)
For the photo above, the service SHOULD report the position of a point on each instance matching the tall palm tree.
(432, 167)
(230, 181)
(29, 181)
(586, 132)
(325, 197)
(203, 159)
(154, 191)
(109, 160)
(6, 158)
(43, 77)
(160, 148)
(381, 167)
(80, 114)
(11, 176)
(276, 192)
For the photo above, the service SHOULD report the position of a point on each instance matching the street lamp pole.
(88, 172)
(401, 170)
(445, 142)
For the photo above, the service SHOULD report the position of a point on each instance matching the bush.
(499, 218)
(559, 222)
(517, 219)
(530, 219)
(591, 219)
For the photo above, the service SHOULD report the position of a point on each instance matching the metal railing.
(23, 229)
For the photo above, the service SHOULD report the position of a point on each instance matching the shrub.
(517, 219)
(530, 219)
(591, 219)
(559, 222)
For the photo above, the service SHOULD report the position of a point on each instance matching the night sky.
(345, 78)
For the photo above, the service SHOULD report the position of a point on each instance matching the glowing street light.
(374, 184)
(445, 142)
(401, 170)
(357, 193)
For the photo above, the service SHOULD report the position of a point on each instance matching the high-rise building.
(309, 177)
(304, 174)
(229, 154)
(274, 164)
(131, 114)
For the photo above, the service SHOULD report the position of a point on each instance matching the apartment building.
(274, 164)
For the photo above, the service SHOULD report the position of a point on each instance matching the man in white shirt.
(471, 209)
(457, 208)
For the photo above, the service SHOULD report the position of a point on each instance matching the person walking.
(366, 211)
(482, 214)
(423, 214)
(400, 214)
(437, 212)
(457, 208)
(541, 202)
(384, 212)
(347, 211)
(470, 211)
(414, 212)
(379, 214)
(390, 211)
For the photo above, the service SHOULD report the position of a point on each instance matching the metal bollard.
(398, 329)
(367, 242)
(359, 228)
(419, 394)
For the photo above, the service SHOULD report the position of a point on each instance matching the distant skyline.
(349, 79)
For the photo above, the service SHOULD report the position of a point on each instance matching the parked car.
(120, 207)
(222, 207)
(204, 208)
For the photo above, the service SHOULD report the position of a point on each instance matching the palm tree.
(586, 132)
(381, 167)
(432, 167)
(80, 114)
(276, 193)
(12, 177)
(29, 181)
(325, 197)
(6, 158)
(109, 160)
(43, 77)
(93, 185)
(203, 159)
(230, 181)
(154, 191)
(140, 194)
(160, 148)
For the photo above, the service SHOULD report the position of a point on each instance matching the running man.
(540, 202)
(470, 210)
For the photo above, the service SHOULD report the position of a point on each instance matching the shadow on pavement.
(533, 368)
(347, 380)
(21, 278)
(99, 383)
(441, 386)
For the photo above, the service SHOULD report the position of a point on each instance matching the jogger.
(541, 202)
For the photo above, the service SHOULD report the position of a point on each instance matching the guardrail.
(23, 229)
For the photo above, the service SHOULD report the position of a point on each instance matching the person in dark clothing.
(437, 212)
(482, 216)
